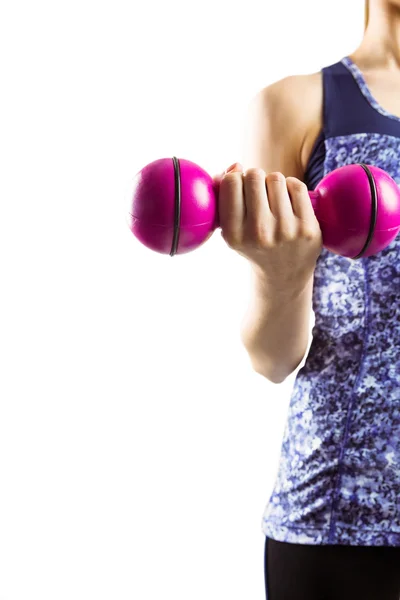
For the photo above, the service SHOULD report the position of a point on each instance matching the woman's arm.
(283, 122)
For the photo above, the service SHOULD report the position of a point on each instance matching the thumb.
(235, 167)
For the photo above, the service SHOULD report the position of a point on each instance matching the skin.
(378, 58)
(378, 55)
(265, 210)
(380, 46)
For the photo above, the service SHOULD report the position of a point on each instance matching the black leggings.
(302, 572)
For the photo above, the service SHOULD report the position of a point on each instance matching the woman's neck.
(380, 47)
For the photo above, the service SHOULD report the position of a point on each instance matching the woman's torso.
(339, 474)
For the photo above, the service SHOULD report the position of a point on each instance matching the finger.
(257, 210)
(278, 197)
(300, 199)
(235, 167)
(218, 178)
(231, 207)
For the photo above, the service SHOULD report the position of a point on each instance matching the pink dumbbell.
(174, 208)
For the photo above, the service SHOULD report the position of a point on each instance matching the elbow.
(275, 373)
(270, 372)
(273, 377)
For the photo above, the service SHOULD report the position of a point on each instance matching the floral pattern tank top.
(338, 479)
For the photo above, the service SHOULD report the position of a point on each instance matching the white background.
(138, 449)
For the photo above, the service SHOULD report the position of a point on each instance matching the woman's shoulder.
(296, 101)
(298, 96)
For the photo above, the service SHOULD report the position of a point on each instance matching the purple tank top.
(338, 479)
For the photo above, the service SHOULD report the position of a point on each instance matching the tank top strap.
(349, 109)
(345, 108)
(342, 103)
(348, 106)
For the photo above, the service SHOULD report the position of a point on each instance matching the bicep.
(271, 135)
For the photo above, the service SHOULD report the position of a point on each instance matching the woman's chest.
(386, 91)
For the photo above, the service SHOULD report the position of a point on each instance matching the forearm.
(276, 328)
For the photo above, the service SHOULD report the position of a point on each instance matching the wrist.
(282, 291)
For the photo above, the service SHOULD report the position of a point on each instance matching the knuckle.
(296, 184)
(258, 235)
(309, 233)
(255, 173)
(232, 178)
(285, 233)
(230, 186)
(275, 177)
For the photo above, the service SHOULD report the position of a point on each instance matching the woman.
(332, 525)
